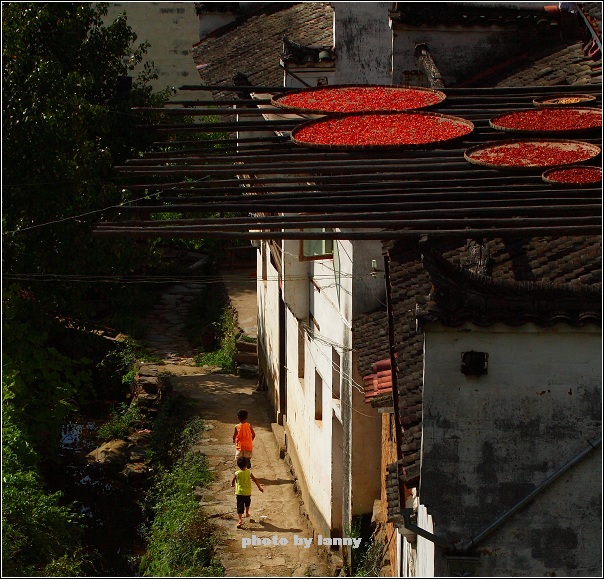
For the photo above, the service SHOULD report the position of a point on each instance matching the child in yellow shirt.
(242, 481)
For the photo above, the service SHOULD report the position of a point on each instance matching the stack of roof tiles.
(380, 382)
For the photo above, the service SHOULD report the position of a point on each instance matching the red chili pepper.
(383, 130)
(567, 119)
(357, 99)
(533, 154)
(581, 175)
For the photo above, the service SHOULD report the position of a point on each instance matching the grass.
(223, 357)
(121, 423)
(370, 560)
(367, 560)
(181, 538)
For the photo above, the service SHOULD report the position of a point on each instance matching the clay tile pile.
(380, 382)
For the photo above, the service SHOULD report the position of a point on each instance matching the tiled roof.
(459, 295)
(474, 14)
(253, 45)
(564, 65)
(550, 260)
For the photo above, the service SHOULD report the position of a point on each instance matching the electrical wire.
(118, 278)
(54, 222)
(311, 335)
(339, 398)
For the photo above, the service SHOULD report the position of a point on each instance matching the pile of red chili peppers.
(580, 175)
(383, 130)
(563, 119)
(533, 154)
(356, 99)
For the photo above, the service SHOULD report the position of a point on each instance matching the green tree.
(66, 122)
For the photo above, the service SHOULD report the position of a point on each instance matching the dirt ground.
(274, 514)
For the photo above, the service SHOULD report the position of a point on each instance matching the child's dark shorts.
(243, 502)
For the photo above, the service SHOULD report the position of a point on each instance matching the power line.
(108, 278)
(123, 203)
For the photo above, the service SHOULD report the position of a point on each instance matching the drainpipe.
(294, 75)
(441, 541)
(393, 368)
(464, 547)
(472, 541)
(572, 8)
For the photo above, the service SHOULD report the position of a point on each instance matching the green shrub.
(224, 356)
(176, 415)
(37, 530)
(181, 539)
(121, 423)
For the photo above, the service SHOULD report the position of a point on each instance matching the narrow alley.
(218, 397)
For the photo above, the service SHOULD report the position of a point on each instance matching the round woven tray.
(494, 122)
(546, 176)
(467, 125)
(589, 152)
(324, 110)
(557, 100)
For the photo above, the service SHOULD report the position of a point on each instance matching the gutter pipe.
(472, 541)
(573, 7)
(463, 548)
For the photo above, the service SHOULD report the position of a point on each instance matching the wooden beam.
(456, 233)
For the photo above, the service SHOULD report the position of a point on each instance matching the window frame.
(303, 257)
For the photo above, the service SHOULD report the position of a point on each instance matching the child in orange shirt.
(243, 438)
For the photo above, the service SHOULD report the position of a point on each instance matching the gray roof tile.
(253, 46)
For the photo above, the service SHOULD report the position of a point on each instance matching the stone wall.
(489, 440)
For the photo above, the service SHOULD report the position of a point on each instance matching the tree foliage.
(66, 122)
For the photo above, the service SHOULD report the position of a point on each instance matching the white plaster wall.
(212, 21)
(330, 302)
(295, 289)
(171, 28)
(363, 42)
(489, 440)
(268, 326)
(311, 438)
(425, 548)
(406, 552)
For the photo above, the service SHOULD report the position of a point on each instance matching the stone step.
(249, 371)
(243, 346)
(246, 358)
(279, 434)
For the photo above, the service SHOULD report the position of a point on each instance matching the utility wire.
(95, 210)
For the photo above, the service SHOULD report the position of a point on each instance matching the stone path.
(164, 337)
(274, 513)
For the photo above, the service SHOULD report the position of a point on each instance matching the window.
(318, 396)
(316, 248)
(336, 375)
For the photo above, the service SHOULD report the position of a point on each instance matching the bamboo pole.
(457, 233)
